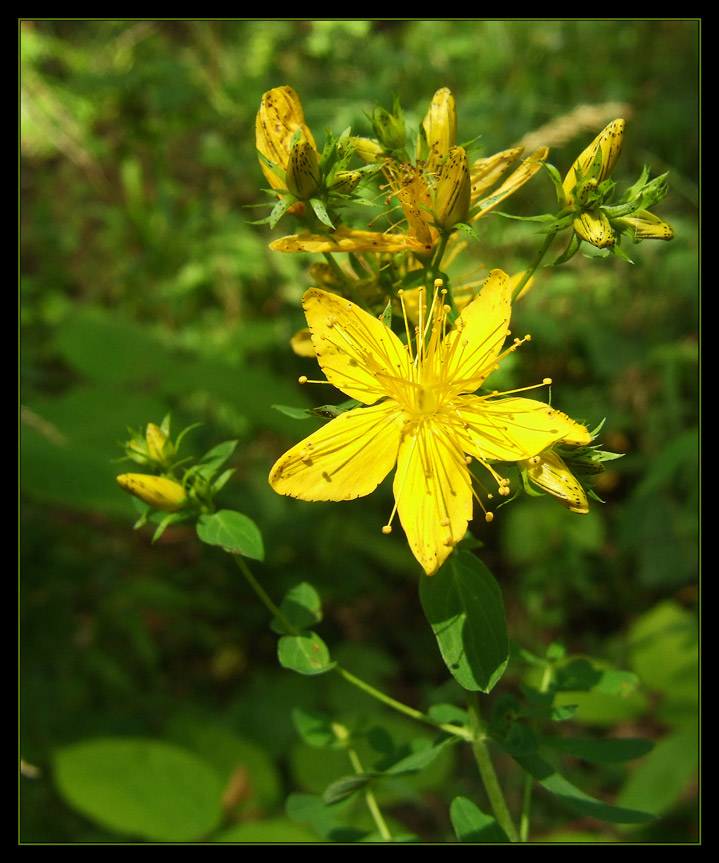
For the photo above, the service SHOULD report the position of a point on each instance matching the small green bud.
(390, 128)
(345, 182)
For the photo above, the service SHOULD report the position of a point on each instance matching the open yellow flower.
(419, 414)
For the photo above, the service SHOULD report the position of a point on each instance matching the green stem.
(370, 799)
(341, 275)
(488, 773)
(449, 728)
(536, 261)
(528, 781)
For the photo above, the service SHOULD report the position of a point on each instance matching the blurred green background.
(144, 289)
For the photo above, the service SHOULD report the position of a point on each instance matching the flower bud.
(156, 491)
(367, 150)
(440, 127)
(159, 446)
(644, 225)
(345, 182)
(278, 119)
(548, 472)
(390, 128)
(452, 196)
(597, 160)
(303, 171)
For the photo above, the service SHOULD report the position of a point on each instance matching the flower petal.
(357, 352)
(513, 429)
(474, 342)
(346, 458)
(346, 240)
(516, 180)
(433, 491)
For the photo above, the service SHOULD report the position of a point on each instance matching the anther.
(547, 381)
(387, 528)
(302, 379)
(489, 516)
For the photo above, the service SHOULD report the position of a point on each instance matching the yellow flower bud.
(440, 127)
(157, 491)
(345, 182)
(303, 171)
(644, 225)
(454, 188)
(550, 473)
(157, 443)
(278, 119)
(598, 160)
(368, 150)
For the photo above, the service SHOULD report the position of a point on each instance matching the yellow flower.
(157, 491)
(419, 414)
(345, 239)
(549, 472)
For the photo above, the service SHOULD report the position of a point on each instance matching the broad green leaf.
(305, 654)
(143, 788)
(472, 825)
(463, 605)
(576, 799)
(267, 831)
(601, 751)
(302, 607)
(311, 809)
(232, 531)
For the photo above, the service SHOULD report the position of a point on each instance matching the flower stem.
(487, 771)
(370, 799)
(536, 261)
(448, 727)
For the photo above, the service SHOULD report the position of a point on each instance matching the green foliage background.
(145, 289)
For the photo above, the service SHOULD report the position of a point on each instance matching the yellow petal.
(486, 172)
(474, 342)
(301, 343)
(346, 458)
(550, 473)
(512, 429)
(516, 180)
(593, 226)
(346, 240)
(357, 352)
(451, 200)
(433, 491)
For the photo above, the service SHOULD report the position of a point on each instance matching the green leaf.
(305, 654)
(232, 531)
(472, 825)
(302, 607)
(295, 413)
(576, 799)
(463, 605)
(345, 787)
(419, 759)
(143, 788)
(601, 751)
(315, 728)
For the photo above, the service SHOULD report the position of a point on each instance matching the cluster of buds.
(164, 496)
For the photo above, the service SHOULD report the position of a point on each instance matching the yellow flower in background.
(419, 414)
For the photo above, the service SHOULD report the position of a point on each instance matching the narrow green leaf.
(472, 825)
(576, 799)
(305, 654)
(295, 413)
(463, 605)
(232, 531)
(419, 759)
(345, 787)
(601, 751)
